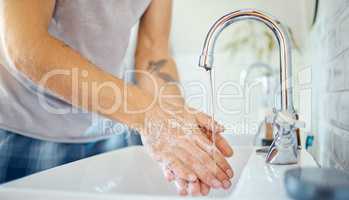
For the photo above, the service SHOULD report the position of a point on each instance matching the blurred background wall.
(329, 53)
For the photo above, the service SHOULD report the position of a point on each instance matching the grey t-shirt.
(97, 29)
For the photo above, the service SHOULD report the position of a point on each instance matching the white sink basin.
(128, 171)
(131, 174)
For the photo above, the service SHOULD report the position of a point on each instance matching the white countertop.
(138, 177)
(263, 181)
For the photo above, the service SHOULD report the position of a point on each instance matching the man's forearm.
(51, 63)
(157, 71)
(158, 75)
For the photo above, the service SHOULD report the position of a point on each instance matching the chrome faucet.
(284, 149)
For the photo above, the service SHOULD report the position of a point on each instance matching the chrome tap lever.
(284, 149)
(286, 120)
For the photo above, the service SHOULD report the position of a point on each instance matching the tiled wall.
(330, 70)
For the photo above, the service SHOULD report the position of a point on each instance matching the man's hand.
(175, 137)
(197, 187)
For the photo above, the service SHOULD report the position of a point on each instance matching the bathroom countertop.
(256, 180)
(263, 181)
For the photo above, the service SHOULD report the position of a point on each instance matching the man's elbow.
(23, 51)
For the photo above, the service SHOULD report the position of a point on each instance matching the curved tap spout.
(284, 149)
(207, 56)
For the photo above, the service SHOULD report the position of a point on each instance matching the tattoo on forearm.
(156, 66)
(166, 77)
(65, 45)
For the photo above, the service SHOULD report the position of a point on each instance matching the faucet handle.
(284, 149)
(286, 119)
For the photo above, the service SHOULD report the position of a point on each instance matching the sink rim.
(140, 150)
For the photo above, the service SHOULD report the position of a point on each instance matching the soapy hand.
(180, 139)
(184, 187)
(198, 188)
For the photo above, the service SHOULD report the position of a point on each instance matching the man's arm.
(35, 53)
(157, 69)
